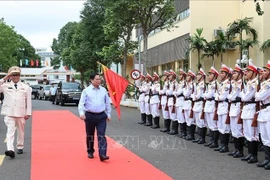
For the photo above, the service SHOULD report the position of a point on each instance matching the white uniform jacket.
(17, 102)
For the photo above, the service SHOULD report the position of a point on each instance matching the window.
(71, 86)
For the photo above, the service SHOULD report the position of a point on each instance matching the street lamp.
(243, 62)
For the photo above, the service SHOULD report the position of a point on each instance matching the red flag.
(116, 86)
(32, 63)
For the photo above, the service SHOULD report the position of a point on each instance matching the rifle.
(255, 122)
(202, 114)
(174, 100)
(229, 103)
(215, 118)
(240, 120)
(159, 107)
(183, 111)
(166, 107)
(191, 111)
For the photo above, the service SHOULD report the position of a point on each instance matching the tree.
(239, 27)
(197, 42)
(119, 23)
(61, 45)
(150, 15)
(249, 43)
(14, 47)
(211, 50)
(265, 46)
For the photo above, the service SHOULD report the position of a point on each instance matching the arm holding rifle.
(192, 94)
(255, 119)
(216, 103)
(204, 90)
(240, 120)
(229, 104)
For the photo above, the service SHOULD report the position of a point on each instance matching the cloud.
(40, 21)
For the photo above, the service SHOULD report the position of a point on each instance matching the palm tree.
(239, 27)
(197, 43)
(246, 44)
(211, 50)
(265, 45)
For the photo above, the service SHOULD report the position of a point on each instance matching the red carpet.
(58, 153)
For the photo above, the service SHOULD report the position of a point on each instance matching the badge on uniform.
(10, 88)
(251, 88)
(226, 89)
(267, 87)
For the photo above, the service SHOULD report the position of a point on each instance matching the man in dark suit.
(95, 109)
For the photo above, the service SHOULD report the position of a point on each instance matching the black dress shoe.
(218, 149)
(213, 145)
(246, 158)
(224, 149)
(104, 158)
(238, 154)
(267, 166)
(232, 153)
(10, 154)
(252, 160)
(90, 155)
(19, 151)
(262, 164)
(209, 144)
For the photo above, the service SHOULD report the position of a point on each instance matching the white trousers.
(237, 129)
(165, 113)
(147, 108)
(172, 115)
(142, 107)
(250, 133)
(179, 114)
(155, 110)
(265, 132)
(189, 121)
(14, 123)
(222, 127)
(199, 122)
(209, 120)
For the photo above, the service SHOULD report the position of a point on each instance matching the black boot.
(174, 130)
(199, 132)
(167, 123)
(203, 134)
(211, 135)
(221, 142)
(267, 166)
(226, 143)
(215, 142)
(249, 151)
(254, 152)
(184, 130)
(149, 120)
(181, 130)
(267, 158)
(143, 119)
(156, 123)
(239, 146)
(191, 129)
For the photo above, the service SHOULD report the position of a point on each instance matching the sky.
(39, 21)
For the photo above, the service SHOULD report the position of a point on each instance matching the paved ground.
(176, 157)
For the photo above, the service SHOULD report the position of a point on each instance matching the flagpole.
(122, 77)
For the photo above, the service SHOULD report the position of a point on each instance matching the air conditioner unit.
(231, 47)
(217, 32)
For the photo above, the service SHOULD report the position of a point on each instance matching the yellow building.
(167, 49)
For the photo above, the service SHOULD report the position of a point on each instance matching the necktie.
(15, 86)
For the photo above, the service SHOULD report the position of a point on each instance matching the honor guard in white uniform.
(180, 99)
(237, 86)
(147, 90)
(154, 100)
(188, 91)
(209, 107)
(263, 118)
(197, 98)
(171, 102)
(142, 99)
(248, 113)
(17, 108)
(164, 103)
(222, 111)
